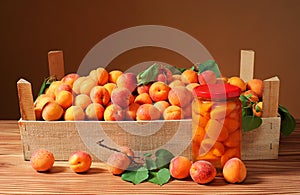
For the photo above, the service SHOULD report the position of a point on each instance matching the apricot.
(82, 100)
(62, 87)
(117, 163)
(87, 85)
(99, 94)
(216, 130)
(114, 75)
(233, 140)
(192, 86)
(114, 112)
(257, 86)
(253, 96)
(173, 113)
(80, 161)
(74, 113)
(147, 112)
(207, 77)
(144, 88)
(127, 150)
(161, 106)
(42, 160)
(131, 111)
(159, 91)
(52, 88)
(189, 76)
(176, 83)
(94, 111)
(64, 99)
(143, 98)
(258, 109)
(100, 75)
(180, 167)
(202, 172)
(234, 171)
(175, 77)
(77, 84)
(127, 80)
(121, 96)
(237, 81)
(228, 154)
(39, 104)
(110, 87)
(231, 124)
(180, 96)
(70, 79)
(52, 111)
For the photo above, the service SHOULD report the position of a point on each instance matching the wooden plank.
(263, 142)
(64, 137)
(56, 64)
(247, 65)
(271, 97)
(25, 100)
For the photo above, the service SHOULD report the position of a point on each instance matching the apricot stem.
(100, 143)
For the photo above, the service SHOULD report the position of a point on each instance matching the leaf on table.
(163, 158)
(161, 177)
(150, 164)
(137, 176)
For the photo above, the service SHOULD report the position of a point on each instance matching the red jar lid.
(219, 91)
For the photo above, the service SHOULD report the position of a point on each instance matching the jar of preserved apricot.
(217, 124)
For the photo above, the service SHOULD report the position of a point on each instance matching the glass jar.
(217, 124)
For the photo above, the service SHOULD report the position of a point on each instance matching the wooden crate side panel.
(263, 142)
(63, 138)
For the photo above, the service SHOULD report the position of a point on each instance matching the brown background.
(29, 29)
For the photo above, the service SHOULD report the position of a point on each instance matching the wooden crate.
(65, 137)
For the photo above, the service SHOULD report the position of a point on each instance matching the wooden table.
(280, 176)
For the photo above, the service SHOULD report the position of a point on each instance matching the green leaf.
(46, 83)
(250, 122)
(288, 122)
(148, 75)
(150, 164)
(163, 158)
(161, 177)
(148, 154)
(137, 176)
(181, 69)
(173, 69)
(209, 65)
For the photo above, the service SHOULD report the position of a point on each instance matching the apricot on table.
(234, 171)
(42, 160)
(117, 163)
(202, 172)
(180, 167)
